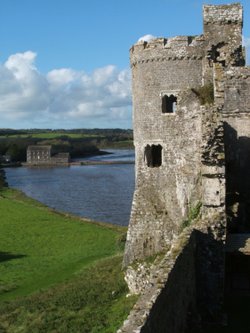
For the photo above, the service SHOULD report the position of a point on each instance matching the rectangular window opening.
(153, 156)
(169, 103)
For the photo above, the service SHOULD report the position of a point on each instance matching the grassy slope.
(39, 249)
(92, 302)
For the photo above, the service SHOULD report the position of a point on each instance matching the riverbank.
(58, 272)
(87, 162)
(89, 159)
(101, 162)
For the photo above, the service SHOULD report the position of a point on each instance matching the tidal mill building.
(191, 205)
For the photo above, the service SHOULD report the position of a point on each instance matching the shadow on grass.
(6, 256)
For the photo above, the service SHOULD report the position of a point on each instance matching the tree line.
(78, 142)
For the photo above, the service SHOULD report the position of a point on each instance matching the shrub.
(193, 213)
(3, 182)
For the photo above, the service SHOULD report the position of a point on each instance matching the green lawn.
(57, 270)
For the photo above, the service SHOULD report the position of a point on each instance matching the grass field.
(58, 273)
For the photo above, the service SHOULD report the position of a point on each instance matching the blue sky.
(65, 63)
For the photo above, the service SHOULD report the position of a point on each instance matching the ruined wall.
(183, 288)
(158, 308)
(213, 164)
(222, 26)
(232, 91)
(236, 116)
(236, 107)
(236, 96)
(60, 159)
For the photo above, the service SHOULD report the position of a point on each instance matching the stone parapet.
(167, 49)
(215, 14)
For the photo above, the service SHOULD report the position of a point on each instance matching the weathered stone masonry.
(188, 155)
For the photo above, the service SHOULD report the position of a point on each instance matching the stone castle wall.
(158, 309)
(182, 288)
(161, 66)
(190, 138)
(188, 155)
(236, 117)
(222, 26)
(213, 164)
(163, 194)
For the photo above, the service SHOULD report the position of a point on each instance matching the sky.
(65, 63)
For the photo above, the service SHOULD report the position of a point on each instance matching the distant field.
(58, 273)
(50, 135)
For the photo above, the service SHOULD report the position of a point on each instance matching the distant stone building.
(60, 158)
(38, 155)
(42, 155)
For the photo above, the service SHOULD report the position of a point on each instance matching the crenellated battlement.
(167, 49)
(172, 42)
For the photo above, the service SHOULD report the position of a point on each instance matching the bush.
(3, 182)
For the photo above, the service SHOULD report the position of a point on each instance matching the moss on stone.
(205, 94)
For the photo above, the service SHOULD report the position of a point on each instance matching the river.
(98, 192)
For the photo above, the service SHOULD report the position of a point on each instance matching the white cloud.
(146, 38)
(21, 63)
(64, 97)
(61, 77)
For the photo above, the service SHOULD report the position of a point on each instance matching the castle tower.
(167, 138)
(192, 156)
(172, 175)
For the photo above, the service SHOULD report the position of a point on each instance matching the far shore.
(74, 161)
(101, 162)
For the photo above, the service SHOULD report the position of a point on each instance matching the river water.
(99, 192)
